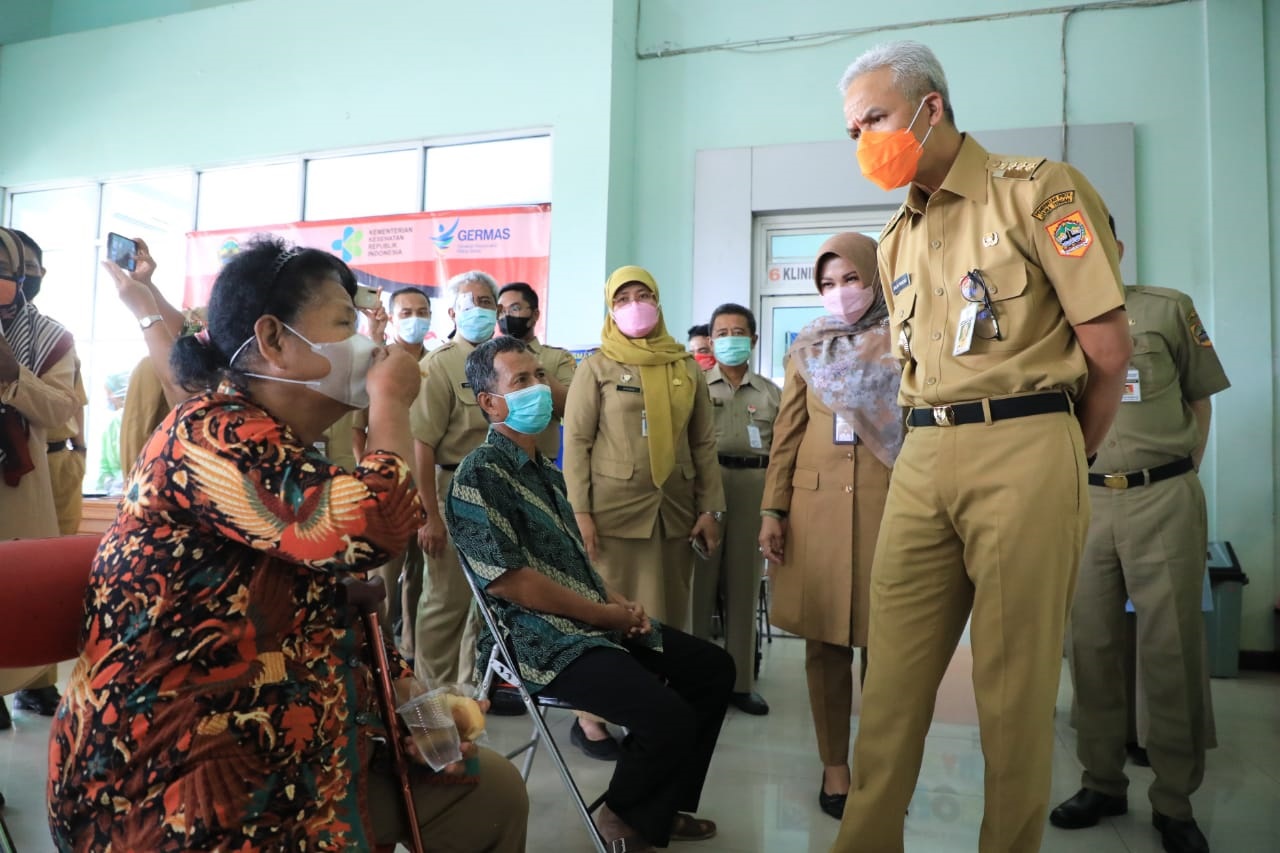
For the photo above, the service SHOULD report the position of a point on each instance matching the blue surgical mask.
(529, 409)
(412, 330)
(732, 350)
(476, 324)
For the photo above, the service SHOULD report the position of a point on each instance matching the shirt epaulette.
(893, 220)
(1164, 292)
(1015, 168)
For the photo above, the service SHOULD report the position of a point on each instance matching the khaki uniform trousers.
(446, 623)
(657, 572)
(1148, 544)
(734, 569)
(66, 474)
(988, 518)
(489, 815)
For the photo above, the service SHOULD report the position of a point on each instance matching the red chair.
(42, 589)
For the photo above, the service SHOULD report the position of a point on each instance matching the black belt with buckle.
(1145, 477)
(58, 446)
(744, 461)
(1001, 410)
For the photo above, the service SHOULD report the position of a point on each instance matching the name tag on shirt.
(630, 389)
(644, 424)
(964, 331)
(842, 431)
(753, 437)
(1132, 387)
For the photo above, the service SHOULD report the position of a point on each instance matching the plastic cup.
(431, 726)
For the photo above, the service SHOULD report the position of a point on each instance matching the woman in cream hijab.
(836, 437)
(640, 453)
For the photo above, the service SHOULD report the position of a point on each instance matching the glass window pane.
(65, 224)
(160, 210)
(488, 174)
(363, 185)
(796, 246)
(246, 196)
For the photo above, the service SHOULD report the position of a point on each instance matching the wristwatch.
(718, 516)
(150, 320)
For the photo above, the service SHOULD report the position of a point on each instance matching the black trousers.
(672, 702)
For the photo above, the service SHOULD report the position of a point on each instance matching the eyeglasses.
(973, 287)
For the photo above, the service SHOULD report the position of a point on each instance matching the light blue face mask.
(732, 350)
(476, 324)
(529, 409)
(412, 330)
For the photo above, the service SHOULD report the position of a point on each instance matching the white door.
(784, 247)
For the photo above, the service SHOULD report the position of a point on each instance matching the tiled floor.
(764, 780)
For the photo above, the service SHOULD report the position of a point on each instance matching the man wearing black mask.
(517, 316)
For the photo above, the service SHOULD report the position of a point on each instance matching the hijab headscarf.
(37, 343)
(664, 374)
(851, 366)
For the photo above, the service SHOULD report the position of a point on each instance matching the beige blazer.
(606, 455)
(835, 495)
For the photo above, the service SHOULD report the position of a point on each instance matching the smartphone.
(699, 547)
(366, 297)
(122, 251)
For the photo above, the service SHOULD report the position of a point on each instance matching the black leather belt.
(744, 461)
(1145, 477)
(453, 467)
(56, 446)
(1001, 409)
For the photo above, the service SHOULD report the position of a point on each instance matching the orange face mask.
(890, 158)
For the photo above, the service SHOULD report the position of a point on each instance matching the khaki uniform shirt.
(753, 404)
(144, 408)
(446, 415)
(606, 455)
(1037, 231)
(558, 363)
(1173, 364)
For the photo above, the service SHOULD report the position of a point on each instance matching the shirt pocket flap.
(1006, 281)
(1145, 344)
(804, 478)
(904, 306)
(611, 468)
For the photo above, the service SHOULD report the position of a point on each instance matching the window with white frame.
(71, 224)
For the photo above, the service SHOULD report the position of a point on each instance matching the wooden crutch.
(365, 596)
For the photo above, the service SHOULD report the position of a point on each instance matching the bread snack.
(467, 716)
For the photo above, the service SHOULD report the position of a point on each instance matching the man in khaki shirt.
(1007, 311)
(745, 405)
(518, 315)
(447, 424)
(1147, 542)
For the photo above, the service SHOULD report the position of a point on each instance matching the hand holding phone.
(366, 297)
(700, 547)
(122, 251)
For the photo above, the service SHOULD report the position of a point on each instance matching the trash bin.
(1222, 624)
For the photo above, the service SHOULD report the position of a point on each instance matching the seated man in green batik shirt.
(511, 521)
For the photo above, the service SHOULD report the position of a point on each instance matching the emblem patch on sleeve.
(1197, 330)
(1070, 235)
(1052, 203)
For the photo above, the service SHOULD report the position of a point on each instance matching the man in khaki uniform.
(745, 405)
(447, 424)
(1006, 308)
(518, 314)
(1147, 542)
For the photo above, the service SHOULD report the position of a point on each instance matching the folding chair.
(502, 663)
(42, 589)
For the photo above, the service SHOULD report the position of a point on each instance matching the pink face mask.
(636, 319)
(848, 303)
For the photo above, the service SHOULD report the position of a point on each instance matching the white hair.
(916, 71)
(470, 277)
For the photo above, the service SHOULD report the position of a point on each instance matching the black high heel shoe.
(832, 804)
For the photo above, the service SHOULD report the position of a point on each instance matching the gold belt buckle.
(1116, 481)
(944, 416)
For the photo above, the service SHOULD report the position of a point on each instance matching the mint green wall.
(1148, 66)
(24, 19)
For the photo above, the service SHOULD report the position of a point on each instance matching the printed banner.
(421, 250)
